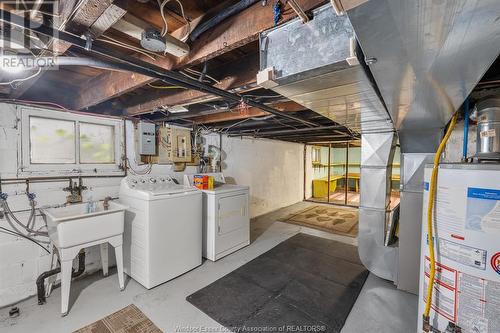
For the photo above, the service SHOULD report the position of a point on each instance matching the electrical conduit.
(466, 128)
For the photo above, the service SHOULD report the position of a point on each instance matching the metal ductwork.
(426, 57)
(316, 65)
(377, 153)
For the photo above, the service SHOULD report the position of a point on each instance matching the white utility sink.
(72, 229)
(70, 225)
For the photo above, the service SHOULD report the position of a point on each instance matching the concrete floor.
(379, 307)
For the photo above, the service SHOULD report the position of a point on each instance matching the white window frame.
(68, 169)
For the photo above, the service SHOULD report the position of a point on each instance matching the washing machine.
(226, 220)
(163, 229)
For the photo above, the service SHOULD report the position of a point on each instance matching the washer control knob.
(152, 180)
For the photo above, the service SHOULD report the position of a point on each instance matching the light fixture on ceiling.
(177, 109)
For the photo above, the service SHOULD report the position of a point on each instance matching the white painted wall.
(20, 260)
(274, 170)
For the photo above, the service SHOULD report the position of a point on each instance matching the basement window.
(55, 142)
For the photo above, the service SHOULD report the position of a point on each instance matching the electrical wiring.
(165, 23)
(35, 103)
(12, 233)
(126, 46)
(146, 171)
(165, 87)
(22, 79)
(192, 77)
(193, 71)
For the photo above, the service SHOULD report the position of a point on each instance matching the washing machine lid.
(153, 186)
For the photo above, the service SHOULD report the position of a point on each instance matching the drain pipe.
(466, 129)
(40, 281)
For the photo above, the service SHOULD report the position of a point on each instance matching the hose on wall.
(430, 208)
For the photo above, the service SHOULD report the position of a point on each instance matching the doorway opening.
(333, 173)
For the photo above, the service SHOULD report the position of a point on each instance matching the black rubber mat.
(304, 284)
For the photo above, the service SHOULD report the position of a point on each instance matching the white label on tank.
(462, 254)
(478, 304)
(443, 299)
(483, 210)
(488, 133)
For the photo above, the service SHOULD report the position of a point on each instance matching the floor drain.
(14, 312)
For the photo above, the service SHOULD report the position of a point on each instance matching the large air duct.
(426, 57)
(316, 65)
(377, 153)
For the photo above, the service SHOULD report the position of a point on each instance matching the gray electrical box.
(147, 138)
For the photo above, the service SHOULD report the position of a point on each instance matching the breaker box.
(175, 145)
(147, 138)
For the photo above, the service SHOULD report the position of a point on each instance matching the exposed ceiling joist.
(77, 20)
(244, 113)
(237, 75)
(231, 34)
(239, 30)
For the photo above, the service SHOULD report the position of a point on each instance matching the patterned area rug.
(127, 320)
(342, 221)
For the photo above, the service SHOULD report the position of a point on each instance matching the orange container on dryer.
(198, 181)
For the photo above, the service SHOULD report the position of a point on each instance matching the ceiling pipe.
(30, 62)
(219, 17)
(290, 131)
(128, 63)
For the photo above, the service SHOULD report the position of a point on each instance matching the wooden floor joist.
(231, 34)
(238, 75)
(104, 13)
(244, 113)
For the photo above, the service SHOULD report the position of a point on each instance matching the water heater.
(466, 293)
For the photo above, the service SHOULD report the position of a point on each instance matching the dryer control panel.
(149, 186)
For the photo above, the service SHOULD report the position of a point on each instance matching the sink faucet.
(106, 203)
(75, 191)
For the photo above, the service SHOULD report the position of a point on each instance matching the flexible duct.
(220, 16)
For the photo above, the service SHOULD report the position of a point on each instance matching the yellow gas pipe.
(430, 208)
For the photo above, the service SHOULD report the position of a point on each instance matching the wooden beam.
(231, 34)
(244, 113)
(110, 16)
(239, 30)
(240, 74)
(96, 15)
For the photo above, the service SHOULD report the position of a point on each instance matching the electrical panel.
(175, 145)
(147, 138)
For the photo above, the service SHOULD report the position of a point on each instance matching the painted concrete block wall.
(274, 170)
(20, 260)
